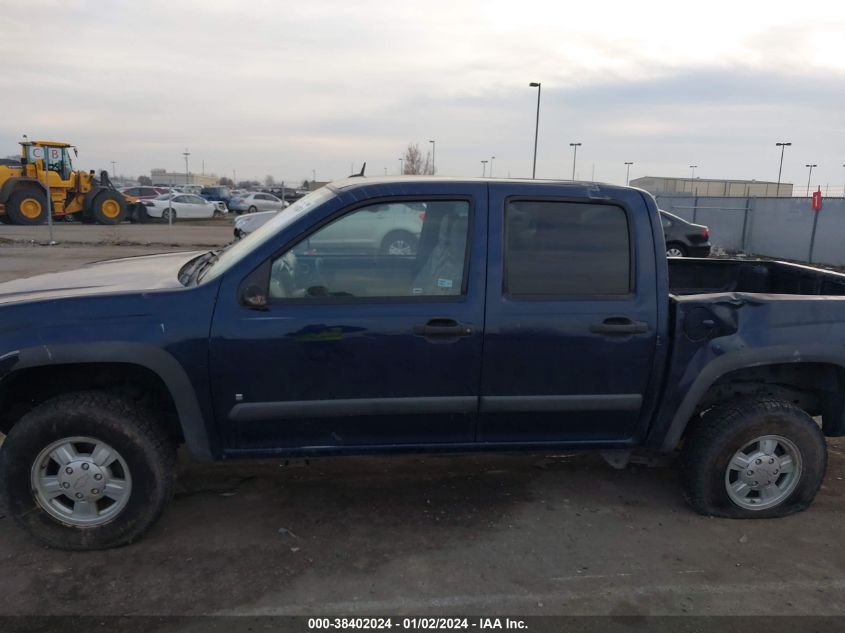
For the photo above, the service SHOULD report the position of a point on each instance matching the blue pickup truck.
(528, 315)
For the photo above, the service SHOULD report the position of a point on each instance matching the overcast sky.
(287, 87)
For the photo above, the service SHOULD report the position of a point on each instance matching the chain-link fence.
(786, 228)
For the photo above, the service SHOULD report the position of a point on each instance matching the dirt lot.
(483, 534)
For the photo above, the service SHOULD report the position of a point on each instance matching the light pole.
(186, 153)
(628, 164)
(492, 158)
(537, 85)
(574, 147)
(483, 168)
(692, 169)
(433, 155)
(401, 166)
(809, 176)
(113, 168)
(783, 147)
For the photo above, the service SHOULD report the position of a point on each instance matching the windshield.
(235, 252)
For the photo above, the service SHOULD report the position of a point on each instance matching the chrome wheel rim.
(81, 481)
(674, 252)
(400, 247)
(763, 473)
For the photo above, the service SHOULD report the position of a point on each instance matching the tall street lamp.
(113, 168)
(783, 147)
(492, 158)
(537, 85)
(692, 178)
(574, 147)
(186, 153)
(433, 154)
(401, 166)
(483, 168)
(628, 164)
(809, 176)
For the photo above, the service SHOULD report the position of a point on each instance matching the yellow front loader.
(45, 168)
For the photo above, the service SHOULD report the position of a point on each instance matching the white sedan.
(246, 224)
(256, 201)
(179, 205)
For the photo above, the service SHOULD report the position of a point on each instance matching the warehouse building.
(167, 178)
(714, 187)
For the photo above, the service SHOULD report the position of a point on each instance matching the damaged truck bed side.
(418, 314)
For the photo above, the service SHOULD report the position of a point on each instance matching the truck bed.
(708, 276)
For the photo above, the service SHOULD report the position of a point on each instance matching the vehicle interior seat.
(442, 272)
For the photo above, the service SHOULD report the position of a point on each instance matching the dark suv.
(216, 194)
(684, 239)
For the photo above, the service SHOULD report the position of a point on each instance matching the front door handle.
(444, 328)
(619, 325)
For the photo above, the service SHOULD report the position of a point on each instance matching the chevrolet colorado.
(529, 315)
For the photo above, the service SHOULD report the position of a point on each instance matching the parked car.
(141, 193)
(220, 193)
(179, 205)
(250, 222)
(684, 239)
(536, 315)
(256, 201)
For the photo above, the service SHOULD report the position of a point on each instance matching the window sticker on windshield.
(416, 291)
(444, 283)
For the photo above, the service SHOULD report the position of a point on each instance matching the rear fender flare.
(728, 363)
(13, 184)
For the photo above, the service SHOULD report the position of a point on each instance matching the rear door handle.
(619, 325)
(444, 328)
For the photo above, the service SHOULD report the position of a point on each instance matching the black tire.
(395, 237)
(680, 247)
(4, 219)
(252, 210)
(148, 452)
(20, 201)
(167, 214)
(714, 439)
(108, 207)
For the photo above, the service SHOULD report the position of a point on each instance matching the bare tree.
(145, 181)
(269, 181)
(414, 163)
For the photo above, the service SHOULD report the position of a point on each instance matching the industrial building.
(714, 187)
(165, 178)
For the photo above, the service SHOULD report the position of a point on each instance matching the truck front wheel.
(108, 207)
(86, 471)
(755, 458)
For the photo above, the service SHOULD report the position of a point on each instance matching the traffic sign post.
(817, 206)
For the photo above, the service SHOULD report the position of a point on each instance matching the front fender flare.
(155, 359)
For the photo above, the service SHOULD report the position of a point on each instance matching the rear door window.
(556, 249)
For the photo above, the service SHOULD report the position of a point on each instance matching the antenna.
(361, 173)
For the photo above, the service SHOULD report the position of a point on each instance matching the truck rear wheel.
(86, 471)
(27, 206)
(753, 459)
(109, 207)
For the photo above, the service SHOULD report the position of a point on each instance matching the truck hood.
(129, 274)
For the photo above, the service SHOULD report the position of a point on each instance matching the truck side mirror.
(253, 290)
(254, 296)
